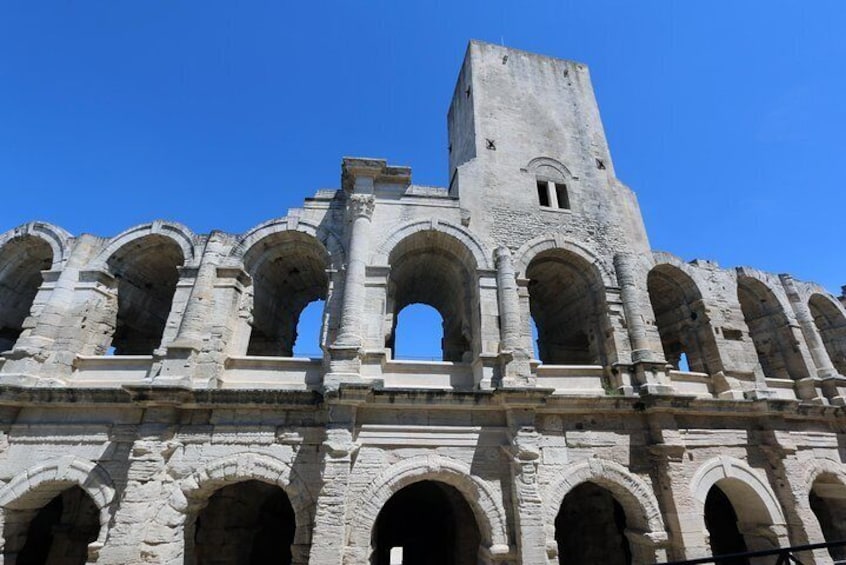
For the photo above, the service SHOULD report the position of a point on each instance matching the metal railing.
(783, 555)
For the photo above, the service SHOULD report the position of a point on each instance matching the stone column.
(647, 353)
(360, 209)
(531, 534)
(330, 520)
(516, 370)
(825, 368)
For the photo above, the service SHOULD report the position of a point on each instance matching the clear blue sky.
(726, 118)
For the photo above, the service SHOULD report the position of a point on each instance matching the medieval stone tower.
(152, 411)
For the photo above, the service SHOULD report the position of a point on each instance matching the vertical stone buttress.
(524, 453)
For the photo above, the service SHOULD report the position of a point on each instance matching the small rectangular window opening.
(543, 193)
(563, 199)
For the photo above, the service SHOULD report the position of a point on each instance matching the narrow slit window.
(561, 193)
(543, 193)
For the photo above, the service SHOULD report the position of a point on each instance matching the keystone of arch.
(479, 494)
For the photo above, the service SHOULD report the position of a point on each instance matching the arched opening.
(723, 531)
(58, 533)
(831, 324)
(590, 528)
(770, 330)
(246, 523)
(147, 271)
(21, 261)
(682, 320)
(289, 271)
(424, 523)
(437, 270)
(737, 519)
(567, 304)
(828, 502)
(308, 330)
(419, 333)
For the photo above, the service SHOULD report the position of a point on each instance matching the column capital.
(361, 206)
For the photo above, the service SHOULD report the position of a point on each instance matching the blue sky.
(726, 118)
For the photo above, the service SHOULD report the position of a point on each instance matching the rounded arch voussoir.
(481, 255)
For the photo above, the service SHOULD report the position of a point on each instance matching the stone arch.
(681, 316)
(431, 266)
(539, 163)
(825, 500)
(553, 181)
(481, 496)
(766, 316)
(195, 490)
(31, 489)
(830, 320)
(568, 302)
(760, 517)
(180, 234)
(548, 242)
(327, 238)
(482, 258)
(57, 238)
(643, 514)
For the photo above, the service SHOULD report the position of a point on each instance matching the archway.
(289, 271)
(770, 330)
(58, 533)
(828, 502)
(245, 523)
(21, 261)
(423, 523)
(831, 324)
(432, 268)
(418, 333)
(591, 528)
(722, 524)
(567, 304)
(682, 320)
(147, 270)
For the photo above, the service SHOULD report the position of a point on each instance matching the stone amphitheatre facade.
(152, 411)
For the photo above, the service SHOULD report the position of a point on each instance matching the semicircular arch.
(241, 467)
(474, 247)
(328, 239)
(553, 242)
(178, 233)
(33, 488)
(57, 238)
(480, 495)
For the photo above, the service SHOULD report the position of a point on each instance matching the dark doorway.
(590, 528)
(721, 521)
(431, 522)
(60, 532)
(828, 501)
(248, 523)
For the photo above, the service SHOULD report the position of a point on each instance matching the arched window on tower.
(553, 183)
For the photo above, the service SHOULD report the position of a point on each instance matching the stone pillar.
(647, 353)
(516, 370)
(180, 357)
(345, 353)
(330, 520)
(36, 350)
(825, 368)
(531, 534)
(360, 208)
